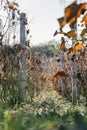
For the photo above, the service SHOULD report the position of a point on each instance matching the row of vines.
(70, 78)
(66, 72)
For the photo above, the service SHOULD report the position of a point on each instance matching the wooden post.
(22, 28)
(0, 32)
(22, 59)
(74, 73)
(74, 83)
(62, 68)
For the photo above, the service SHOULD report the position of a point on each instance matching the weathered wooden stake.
(1, 32)
(74, 84)
(74, 74)
(62, 68)
(22, 59)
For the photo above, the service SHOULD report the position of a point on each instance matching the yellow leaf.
(62, 46)
(78, 47)
(60, 74)
(84, 19)
(11, 5)
(70, 34)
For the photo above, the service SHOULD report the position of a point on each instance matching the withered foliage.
(73, 11)
(72, 59)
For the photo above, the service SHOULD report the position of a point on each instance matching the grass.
(19, 120)
(53, 113)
